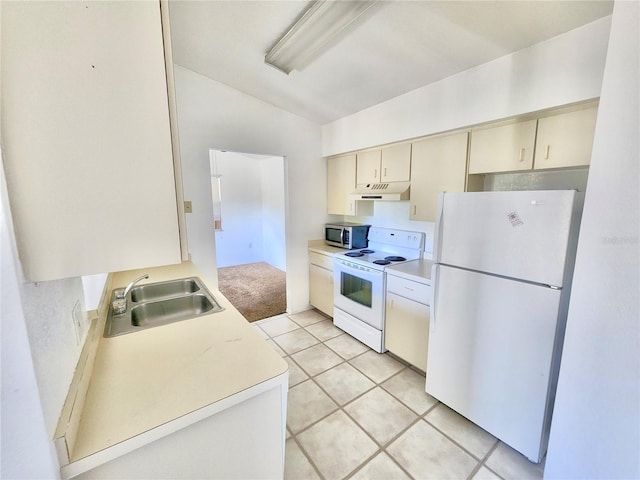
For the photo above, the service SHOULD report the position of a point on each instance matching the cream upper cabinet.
(390, 164)
(437, 165)
(396, 163)
(566, 139)
(86, 136)
(368, 167)
(503, 148)
(341, 181)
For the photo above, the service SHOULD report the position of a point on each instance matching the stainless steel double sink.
(161, 303)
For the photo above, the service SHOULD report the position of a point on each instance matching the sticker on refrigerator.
(515, 219)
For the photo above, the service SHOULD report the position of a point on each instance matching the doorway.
(248, 201)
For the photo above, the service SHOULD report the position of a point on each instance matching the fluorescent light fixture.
(318, 29)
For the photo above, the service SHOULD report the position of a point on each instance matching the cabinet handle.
(410, 289)
(522, 154)
(546, 152)
(385, 171)
(414, 209)
(375, 173)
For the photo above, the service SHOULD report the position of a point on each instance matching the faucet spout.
(132, 284)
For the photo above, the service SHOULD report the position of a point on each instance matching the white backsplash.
(396, 215)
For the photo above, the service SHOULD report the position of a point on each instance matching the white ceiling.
(396, 47)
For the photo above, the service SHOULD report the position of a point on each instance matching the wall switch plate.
(187, 206)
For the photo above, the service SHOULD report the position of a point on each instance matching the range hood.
(381, 191)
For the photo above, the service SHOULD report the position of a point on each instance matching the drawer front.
(418, 292)
(324, 261)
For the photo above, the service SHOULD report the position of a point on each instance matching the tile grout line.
(381, 448)
(307, 456)
(376, 384)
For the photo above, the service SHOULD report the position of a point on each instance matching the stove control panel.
(397, 238)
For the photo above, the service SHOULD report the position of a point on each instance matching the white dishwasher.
(407, 311)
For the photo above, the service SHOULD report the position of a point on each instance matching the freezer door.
(523, 235)
(491, 344)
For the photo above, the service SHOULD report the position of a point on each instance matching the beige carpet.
(257, 290)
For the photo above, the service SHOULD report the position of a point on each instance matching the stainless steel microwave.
(346, 235)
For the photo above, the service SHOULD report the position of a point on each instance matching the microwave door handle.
(343, 236)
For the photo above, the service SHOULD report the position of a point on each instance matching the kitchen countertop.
(320, 246)
(416, 270)
(144, 380)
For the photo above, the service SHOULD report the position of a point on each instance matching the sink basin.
(153, 291)
(169, 311)
(156, 304)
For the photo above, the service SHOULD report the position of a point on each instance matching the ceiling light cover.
(319, 27)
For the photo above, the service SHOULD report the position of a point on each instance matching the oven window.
(356, 289)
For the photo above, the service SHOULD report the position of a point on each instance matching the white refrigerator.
(502, 272)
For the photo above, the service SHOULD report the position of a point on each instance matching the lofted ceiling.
(396, 47)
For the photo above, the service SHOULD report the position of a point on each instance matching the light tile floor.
(357, 414)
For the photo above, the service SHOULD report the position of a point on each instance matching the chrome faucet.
(132, 284)
(119, 305)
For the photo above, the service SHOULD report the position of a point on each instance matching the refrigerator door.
(523, 235)
(490, 354)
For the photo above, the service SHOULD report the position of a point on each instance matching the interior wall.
(273, 191)
(240, 240)
(93, 286)
(565, 69)
(26, 449)
(213, 114)
(253, 206)
(595, 431)
(55, 347)
(396, 215)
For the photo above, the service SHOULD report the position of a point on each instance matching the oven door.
(359, 291)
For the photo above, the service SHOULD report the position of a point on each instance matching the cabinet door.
(565, 140)
(321, 289)
(407, 329)
(504, 148)
(87, 145)
(368, 167)
(396, 163)
(341, 181)
(437, 165)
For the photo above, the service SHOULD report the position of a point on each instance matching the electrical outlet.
(187, 206)
(78, 322)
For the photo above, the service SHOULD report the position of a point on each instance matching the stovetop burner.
(381, 262)
(386, 247)
(395, 258)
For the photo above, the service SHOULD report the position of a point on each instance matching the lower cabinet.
(321, 282)
(407, 320)
(246, 440)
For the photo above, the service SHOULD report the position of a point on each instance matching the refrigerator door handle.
(437, 233)
(434, 295)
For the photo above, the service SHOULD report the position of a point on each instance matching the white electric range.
(360, 282)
